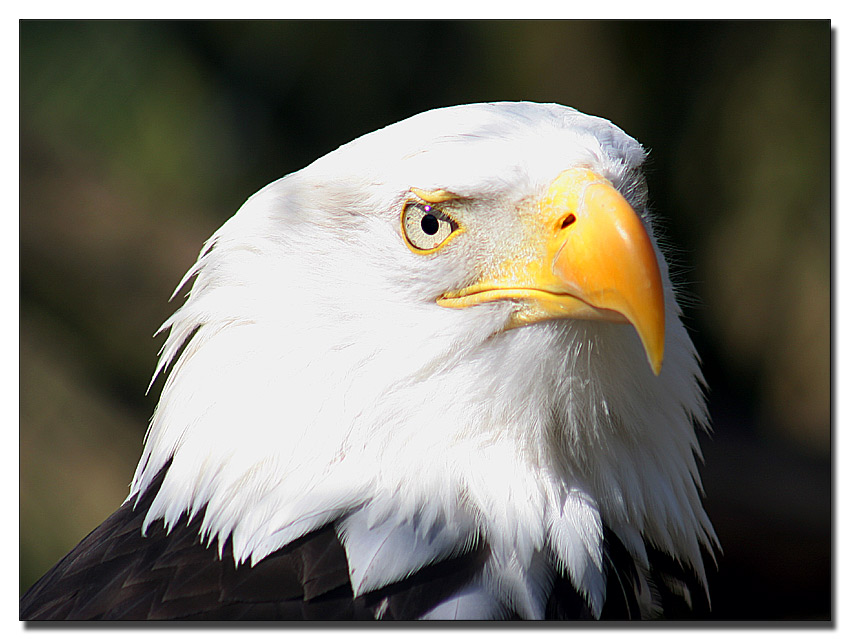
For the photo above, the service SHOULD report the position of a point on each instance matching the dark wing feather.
(115, 573)
(679, 593)
(675, 590)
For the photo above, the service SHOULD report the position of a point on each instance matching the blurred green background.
(138, 139)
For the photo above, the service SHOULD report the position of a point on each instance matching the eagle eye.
(425, 226)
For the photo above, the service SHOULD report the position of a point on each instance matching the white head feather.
(318, 380)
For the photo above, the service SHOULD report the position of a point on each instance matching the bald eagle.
(421, 378)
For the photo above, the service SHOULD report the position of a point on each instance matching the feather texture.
(116, 573)
(315, 391)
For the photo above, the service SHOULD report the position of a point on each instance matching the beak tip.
(656, 366)
(653, 347)
(655, 357)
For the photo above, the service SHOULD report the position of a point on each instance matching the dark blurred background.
(138, 139)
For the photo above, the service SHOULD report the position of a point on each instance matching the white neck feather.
(299, 399)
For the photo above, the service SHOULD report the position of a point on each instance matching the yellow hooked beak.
(585, 254)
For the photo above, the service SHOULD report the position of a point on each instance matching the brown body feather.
(115, 573)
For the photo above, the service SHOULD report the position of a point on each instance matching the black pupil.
(430, 224)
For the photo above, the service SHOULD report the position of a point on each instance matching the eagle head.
(455, 331)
